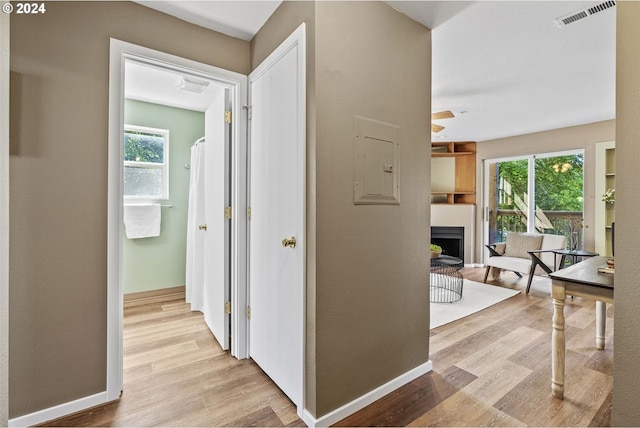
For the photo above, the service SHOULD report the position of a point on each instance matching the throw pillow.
(519, 243)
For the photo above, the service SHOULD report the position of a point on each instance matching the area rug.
(475, 297)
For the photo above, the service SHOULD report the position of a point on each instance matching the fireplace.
(450, 238)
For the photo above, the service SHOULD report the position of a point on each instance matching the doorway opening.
(170, 207)
(227, 88)
(542, 193)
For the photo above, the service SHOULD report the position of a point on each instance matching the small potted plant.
(609, 197)
(436, 250)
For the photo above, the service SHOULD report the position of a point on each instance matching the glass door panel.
(507, 208)
(559, 197)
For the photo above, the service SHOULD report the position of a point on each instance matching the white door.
(277, 200)
(216, 243)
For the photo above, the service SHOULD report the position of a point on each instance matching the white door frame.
(237, 83)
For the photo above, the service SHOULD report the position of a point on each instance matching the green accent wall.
(156, 263)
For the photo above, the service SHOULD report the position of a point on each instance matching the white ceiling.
(503, 68)
(237, 18)
(513, 71)
(158, 85)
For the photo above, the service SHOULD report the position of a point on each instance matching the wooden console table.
(582, 280)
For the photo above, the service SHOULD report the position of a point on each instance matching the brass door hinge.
(227, 117)
(249, 312)
(227, 212)
(227, 307)
(249, 213)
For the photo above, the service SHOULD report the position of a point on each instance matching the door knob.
(202, 227)
(289, 242)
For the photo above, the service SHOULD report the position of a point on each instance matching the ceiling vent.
(192, 85)
(563, 21)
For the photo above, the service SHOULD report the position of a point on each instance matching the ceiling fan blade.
(436, 128)
(442, 115)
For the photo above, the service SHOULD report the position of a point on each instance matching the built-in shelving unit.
(605, 168)
(453, 172)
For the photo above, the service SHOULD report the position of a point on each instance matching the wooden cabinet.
(453, 172)
(605, 168)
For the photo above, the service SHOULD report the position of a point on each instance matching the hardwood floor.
(492, 368)
(176, 374)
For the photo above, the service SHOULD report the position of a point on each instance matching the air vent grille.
(601, 7)
(584, 13)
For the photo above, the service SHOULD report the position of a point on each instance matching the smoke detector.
(581, 14)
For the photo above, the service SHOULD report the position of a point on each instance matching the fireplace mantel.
(461, 216)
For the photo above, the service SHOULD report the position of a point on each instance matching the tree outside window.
(146, 164)
(559, 182)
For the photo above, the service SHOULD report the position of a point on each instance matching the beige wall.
(372, 313)
(288, 17)
(368, 303)
(626, 377)
(58, 233)
(575, 137)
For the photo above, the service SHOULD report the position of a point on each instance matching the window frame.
(164, 166)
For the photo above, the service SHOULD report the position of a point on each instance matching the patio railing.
(567, 223)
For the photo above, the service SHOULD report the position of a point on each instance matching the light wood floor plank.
(490, 358)
(492, 368)
(490, 388)
(463, 410)
(175, 374)
(442, 338)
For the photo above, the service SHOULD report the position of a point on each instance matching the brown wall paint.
(288, 17)
(58, 231)
(571, 138)
(626, 378)
(368, 303)
(372, 296)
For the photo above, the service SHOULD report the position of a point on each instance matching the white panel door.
(277, 200)
(216, 244)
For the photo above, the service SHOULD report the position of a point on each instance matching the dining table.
(583, 279)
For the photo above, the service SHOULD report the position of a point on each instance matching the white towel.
(142, 220)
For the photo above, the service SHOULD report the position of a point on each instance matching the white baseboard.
(475, 265)
(366, 399)
(65, 409)
(144, 297)
(59, 411)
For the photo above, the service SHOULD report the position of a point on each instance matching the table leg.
(601, 323)
(558, 347)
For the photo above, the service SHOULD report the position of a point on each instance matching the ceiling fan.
(437, 116)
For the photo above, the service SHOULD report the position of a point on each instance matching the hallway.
(176, 374)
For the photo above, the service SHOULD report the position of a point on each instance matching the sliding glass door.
(538, 193)
(507, 200)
